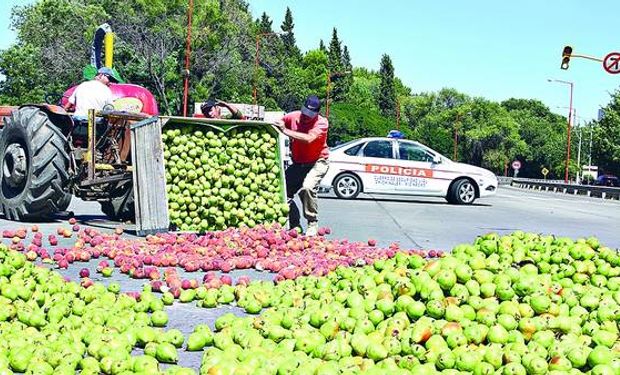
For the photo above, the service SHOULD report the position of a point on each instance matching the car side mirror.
(436, 159)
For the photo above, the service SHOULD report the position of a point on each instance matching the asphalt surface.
(431, 223)
(414, 222)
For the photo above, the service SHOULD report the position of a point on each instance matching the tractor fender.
(57, 115)
(5, 111)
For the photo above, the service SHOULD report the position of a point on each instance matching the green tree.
(364, 89)
(387, 92)
(47, 60)
(288, 39)
(543, 132)
(347, 69)
(348, 122)
(150, 47)
(302, 80)
(336, 68)
(335, 52)
(21, 83)
(265, 24)
(606, 137)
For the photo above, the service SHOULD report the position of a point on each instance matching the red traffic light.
(566, 54)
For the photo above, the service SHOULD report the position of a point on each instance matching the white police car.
(403, 167)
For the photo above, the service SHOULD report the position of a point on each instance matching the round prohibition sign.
(516, 164)
(611, 63)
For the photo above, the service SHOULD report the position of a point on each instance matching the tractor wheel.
(35, 162)
(121, 207)
(64, 202)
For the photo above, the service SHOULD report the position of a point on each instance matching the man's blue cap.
(108, 72)
(311, 107)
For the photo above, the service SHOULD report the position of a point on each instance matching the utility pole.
(188, 51)
(397, 113)
(569, 125)
(578, 149)
(590, 152)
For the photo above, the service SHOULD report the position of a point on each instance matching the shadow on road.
(403, 200)
(59, 217)
(102, 222)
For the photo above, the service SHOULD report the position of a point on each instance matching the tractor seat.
(80, 128)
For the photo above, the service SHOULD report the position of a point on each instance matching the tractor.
(48, 156)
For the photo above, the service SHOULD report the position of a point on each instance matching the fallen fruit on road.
(409, 313)
(50, 325)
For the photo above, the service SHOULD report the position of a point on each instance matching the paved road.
(431, 223)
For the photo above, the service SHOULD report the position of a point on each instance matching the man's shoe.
(313, 229)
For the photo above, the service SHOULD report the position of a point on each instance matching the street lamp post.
(576, 124)
(328, 88)
(256, 59)
(578, 148)
(568, 127)
(590, 151)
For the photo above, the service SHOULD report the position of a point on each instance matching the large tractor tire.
(121, 207)
(64, 203)
(34, 174)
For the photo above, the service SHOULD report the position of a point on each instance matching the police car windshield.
(343, 145)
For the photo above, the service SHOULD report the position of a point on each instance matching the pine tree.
(322, 46)
(335, 67)
(347, 79)
(265, 24)
(288, 39)
(387, 91)
(335, 53)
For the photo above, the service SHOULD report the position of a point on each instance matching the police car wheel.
(463, 192)
(347, 186)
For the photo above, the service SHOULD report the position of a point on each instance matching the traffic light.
(568, 51)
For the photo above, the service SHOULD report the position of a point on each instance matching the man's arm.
(70, 104)
(69, 107)
(236, 113)
(304, 137)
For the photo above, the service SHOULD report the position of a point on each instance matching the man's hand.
(279, 124)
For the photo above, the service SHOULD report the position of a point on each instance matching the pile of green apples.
(517, 304)
(49, 325)
(216, 180)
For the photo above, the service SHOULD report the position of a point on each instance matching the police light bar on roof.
(395, 134)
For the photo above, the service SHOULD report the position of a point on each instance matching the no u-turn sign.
(611, 63)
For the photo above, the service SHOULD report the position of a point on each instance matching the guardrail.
(501, 180)
(561, 187)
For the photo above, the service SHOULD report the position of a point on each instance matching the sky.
(484, 48)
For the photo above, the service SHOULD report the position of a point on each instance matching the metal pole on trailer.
(188, 51)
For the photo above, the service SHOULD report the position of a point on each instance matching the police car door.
(418, 173)
(377, 155)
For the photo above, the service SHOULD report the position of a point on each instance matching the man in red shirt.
(308, 133)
